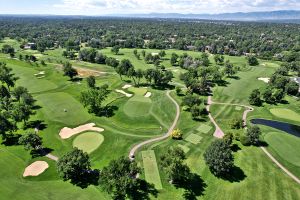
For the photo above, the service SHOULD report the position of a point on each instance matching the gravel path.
(165, 136)
(219, 134)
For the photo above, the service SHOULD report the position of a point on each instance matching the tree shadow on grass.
(235, 148)
(11, 139)
(107, 111)
(39, 124)
(236, 174)
(194, 186)
(87, 178)
(142, 190)
(40, 152)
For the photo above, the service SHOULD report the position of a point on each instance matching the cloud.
(96, 7)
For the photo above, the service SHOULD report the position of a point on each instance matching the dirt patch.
(66, 132)
(35, 168)
(82, 72)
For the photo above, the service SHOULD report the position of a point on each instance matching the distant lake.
(286, 127)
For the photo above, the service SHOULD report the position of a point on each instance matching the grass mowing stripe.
(203, 128)
(151, 169)
(193, 138)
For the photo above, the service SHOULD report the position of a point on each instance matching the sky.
(106, 7)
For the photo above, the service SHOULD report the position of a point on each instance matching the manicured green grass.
(151, 169)
(88, 142)
(184, 148)
(203, 128)
(238, 108)
(193, 138)
(54, 105)
(286, 146)
(285, 114)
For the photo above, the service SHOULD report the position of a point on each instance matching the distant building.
(297, 80)
(29, 45)
(191, 48)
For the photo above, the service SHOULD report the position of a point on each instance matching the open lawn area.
(151, 169)
(88, 141)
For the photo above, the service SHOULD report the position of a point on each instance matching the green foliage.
(191, 100)
(7, 49)
(218, 156)
(236, 123)
(292, 88)
(176, 134)
(253, 133)
(6, 77)
(73, 165)
(115, 49)
(118, 178)
(252, 60)
(91, 81)
(69, 70)
(254, 98)
(93, 99)
(30, 141)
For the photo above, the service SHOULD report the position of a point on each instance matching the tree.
(139, 74)
(74, 165)
(19, 91)
(115, 49)
(254, 98)
(112, 62)
(219, 59)
(69, 70)
(172, 163)
(132, 74)
(162, 53)
(176, 134)
(191, 100)
(252, 60)
(124, 67)
(91, 81)
(31, 141)
(236, 123)
(218, 156)
(253, 133)
(268, 95)
(94, 98)
(195, 111)
(118, 178)
(178, 90)
(6, 77)
(7, 49)
(21, 112)
(292, 88)
(174, 58)
(229, 70)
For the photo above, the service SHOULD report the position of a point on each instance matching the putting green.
(285, 145)
(63, 108)
(88, 141)
(138, 105)
(285, 114)
(151, 169)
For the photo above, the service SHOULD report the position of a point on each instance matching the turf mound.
(151, 169)
(138, 105)
(69, 132)
(286, 146)
(35, 168)
(88, 142)
(285, 114)
(63, 108)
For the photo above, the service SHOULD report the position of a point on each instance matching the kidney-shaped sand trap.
(69, 132)
(35, 168)
(88, 142)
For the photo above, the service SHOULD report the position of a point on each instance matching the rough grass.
(151, 169)
(88, 141)
(285, 114)
(285, 145)
(204, 128)
(193, 138)
(53, 105)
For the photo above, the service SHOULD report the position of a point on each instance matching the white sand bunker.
(148, 94)
(40, 73)
(69, 132)
(125, 93)
(35, 168)
(266, 80)
(126, 86)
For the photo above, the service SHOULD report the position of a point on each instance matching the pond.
(286, 127)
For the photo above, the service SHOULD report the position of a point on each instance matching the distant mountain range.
(239, 16)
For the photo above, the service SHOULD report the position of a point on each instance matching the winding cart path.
(165, 136)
